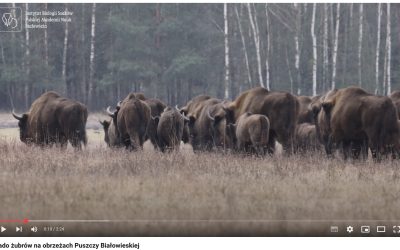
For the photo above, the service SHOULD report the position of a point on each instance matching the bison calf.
(170, 129)
(252, 133)
(306, 138)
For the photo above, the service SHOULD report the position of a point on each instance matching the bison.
(281, 108)
(111, 133)
(395, 97)
(156, 109)
(252, 131)
(305, 113)
(133, 118)
(53, 119)
(358, 118)
(207, 123)
(170, 129)
(306, 138)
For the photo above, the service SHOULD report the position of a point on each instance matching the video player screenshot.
(199, 119)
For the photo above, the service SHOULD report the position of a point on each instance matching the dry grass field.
(184, 193)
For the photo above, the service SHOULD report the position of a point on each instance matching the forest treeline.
(176, 51)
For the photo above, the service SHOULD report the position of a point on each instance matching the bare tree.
(325, 68)
(314, 44)
(256, 36)
(360, 39)
(64, 58)
(46, 51)
(226, 36)
(91, 62)
(83, 58)
(267, 69)
(389, 49)
(335, 46)
(387, 64)
(377, 52)
(297, 46)
(27, 88)
(246, 57)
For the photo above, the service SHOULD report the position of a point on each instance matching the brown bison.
(156, 109)
(53, 119)
(133, 118)
(111, 133)
(357, 117)
(252, 133)
(207, 123)
(306, 138)
(322, 122)
(395, 97)
(170, 129)
(281, 108)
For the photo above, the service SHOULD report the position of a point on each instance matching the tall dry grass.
(183, 193)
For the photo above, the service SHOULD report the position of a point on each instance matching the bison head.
(23, 126)
(220, 130)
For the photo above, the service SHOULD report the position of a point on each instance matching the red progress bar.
(25, 221)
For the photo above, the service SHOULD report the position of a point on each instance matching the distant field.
(184, 193)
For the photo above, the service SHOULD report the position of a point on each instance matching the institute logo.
(11, 19)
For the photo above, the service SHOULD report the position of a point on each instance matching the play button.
(2, 229)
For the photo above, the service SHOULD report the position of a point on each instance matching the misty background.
(176, 51)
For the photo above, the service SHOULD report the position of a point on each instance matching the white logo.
(9, 20)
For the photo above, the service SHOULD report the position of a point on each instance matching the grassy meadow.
(182, 193)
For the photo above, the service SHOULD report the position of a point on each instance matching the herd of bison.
(348, 120)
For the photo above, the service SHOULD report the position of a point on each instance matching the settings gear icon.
(349, 229)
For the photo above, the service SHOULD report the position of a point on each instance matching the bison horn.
(119, 105)
(155, 118)
(185, 118)
(176, 107)
(209, 116)
(18, 117)
(109, 112)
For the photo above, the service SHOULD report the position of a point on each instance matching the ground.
(182, 193)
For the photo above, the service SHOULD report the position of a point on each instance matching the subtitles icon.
(334, 229)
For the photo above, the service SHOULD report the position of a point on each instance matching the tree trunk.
(256, 36)
(27, 89)
(314, 44)
(360, 39)
(388, 51)
(297, 47)
(84, 86)
(226, 40)
(325, 68)
(92, 87)
(335, 46)
(64, 58)
(268, 30)
(246, 57)
(46, 53)
(377, 51)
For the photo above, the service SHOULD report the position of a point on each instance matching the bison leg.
(271, 143)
